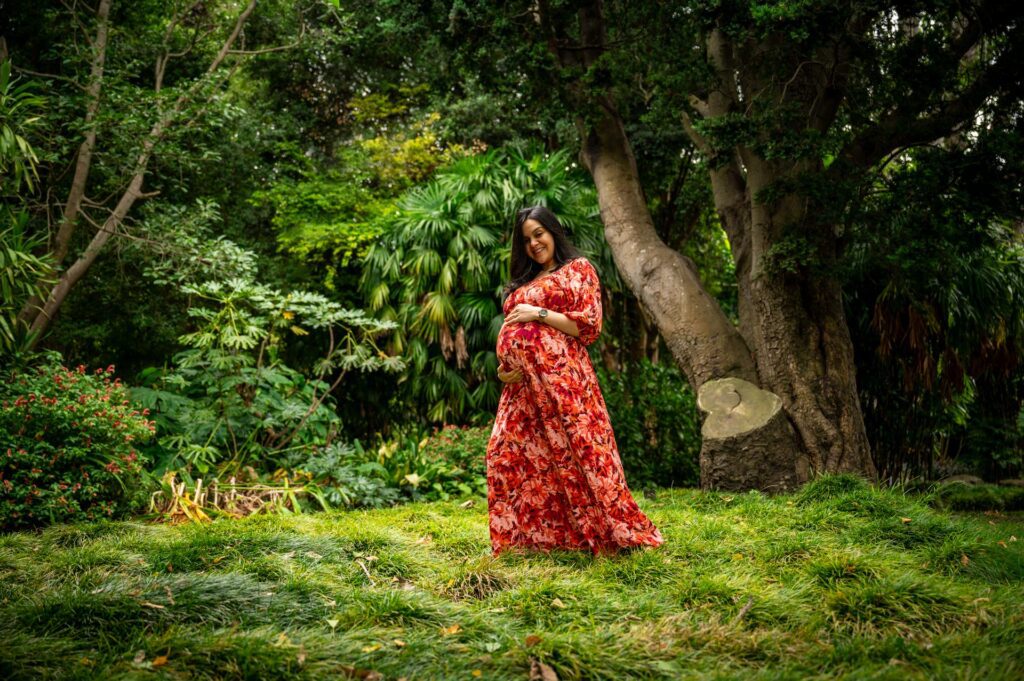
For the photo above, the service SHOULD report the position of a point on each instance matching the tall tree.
(792, 106)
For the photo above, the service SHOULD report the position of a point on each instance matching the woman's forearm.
(561, 322)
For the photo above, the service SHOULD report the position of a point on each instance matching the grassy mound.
(839, 580)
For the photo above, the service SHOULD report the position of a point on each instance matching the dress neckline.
(552, 273)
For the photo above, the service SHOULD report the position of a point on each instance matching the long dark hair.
(524, 268)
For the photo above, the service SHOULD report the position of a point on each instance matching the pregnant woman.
(554, 477)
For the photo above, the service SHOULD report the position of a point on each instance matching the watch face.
(543, 313)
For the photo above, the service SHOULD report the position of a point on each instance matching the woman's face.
(540, 245)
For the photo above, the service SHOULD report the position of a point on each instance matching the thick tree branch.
(913, 125)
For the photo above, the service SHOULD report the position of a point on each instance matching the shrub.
(657, 428)
(346, 476)
(67, 446)
(462, 446)
(417, 465)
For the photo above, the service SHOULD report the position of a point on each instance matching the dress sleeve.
(584, 299)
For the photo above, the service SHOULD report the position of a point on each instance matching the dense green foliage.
(68, 446)
(656, 423)
(439, 270)
(372, 158)
(24, 270)
(437, 466)
(937, 306)
(230, 398)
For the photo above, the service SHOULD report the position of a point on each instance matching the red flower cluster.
(77, 457)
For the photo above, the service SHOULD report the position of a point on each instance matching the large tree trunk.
(788, 405)
(805, 356)
(761, 450)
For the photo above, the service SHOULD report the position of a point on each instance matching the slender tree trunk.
(40, 317)
(83, 162)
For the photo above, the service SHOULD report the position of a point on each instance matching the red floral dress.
(554, 477)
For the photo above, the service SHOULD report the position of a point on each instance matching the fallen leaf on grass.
(531, 640)
(964, 560)
(159, 660)
(468, 504)
(357, 673)
(477, 673)
(905, 520)
(1013, 538)
(557, 602)
(371, 648)
(541, 672)
(448, 631)
(399, 642)
(1002, 543)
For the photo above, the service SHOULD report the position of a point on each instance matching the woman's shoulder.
(581, 264)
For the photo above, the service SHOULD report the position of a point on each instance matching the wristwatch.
(542, 313)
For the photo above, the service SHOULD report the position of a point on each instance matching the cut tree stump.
(748, 442)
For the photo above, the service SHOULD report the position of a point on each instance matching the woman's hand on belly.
(509, 376)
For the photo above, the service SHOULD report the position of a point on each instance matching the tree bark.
(83, 162)
(792, 347)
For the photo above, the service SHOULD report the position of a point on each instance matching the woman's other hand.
(513, 376)
(522, 313)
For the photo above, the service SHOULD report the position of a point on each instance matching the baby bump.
(530, 343)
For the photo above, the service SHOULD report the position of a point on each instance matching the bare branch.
(161, 61)
(226, 47)
(279, 48)
(54, 76)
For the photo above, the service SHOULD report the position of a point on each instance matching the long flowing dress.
(554, 476)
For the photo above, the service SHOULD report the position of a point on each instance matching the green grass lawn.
(837, 581)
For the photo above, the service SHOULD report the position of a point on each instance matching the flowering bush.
(463, 446)
(67, 446)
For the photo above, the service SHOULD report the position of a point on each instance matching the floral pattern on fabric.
(554, 476)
